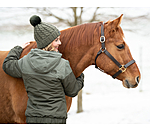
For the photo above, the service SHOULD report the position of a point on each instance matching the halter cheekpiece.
(122, 68)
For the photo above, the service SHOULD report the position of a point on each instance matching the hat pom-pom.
(35, 20)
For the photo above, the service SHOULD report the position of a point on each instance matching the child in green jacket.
(47, 77)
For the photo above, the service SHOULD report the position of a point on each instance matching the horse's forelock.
(110, 28)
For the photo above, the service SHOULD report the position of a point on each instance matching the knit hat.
(44, 33)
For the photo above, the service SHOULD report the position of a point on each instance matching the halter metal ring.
(103, 50)
(122, 68)
(102, 39)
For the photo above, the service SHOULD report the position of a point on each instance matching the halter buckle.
(122, 68)
(102, 39)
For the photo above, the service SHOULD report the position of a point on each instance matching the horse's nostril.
(137, 79)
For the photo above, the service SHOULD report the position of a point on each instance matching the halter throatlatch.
(122, 68)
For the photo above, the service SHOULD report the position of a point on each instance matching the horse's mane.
(77, 35)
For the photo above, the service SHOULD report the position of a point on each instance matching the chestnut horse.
(80, 45)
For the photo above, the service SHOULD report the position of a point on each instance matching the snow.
(114, 108)
(105, 100)
(110, 103)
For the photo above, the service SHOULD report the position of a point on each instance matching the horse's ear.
(116, 23)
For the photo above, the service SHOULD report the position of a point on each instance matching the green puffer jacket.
(47, 78)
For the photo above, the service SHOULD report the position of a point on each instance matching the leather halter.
(122, 68)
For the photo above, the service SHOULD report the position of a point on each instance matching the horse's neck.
(84, 62)
(81, 55)
(79, 59)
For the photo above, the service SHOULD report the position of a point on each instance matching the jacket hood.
(43, 61)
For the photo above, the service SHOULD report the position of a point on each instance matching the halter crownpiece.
(122, 68)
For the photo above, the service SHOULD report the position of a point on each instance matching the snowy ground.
(105, 100)
(108, 102)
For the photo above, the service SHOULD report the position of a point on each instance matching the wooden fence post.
(79, 102)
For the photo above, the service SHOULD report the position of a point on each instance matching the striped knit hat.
(44, 33)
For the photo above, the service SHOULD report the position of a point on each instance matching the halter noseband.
(122, 68)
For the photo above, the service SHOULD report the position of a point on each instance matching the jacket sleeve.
(72, 85)
(10, 64)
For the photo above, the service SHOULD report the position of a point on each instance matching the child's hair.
(49, 47)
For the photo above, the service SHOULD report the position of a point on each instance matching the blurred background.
(105, 100)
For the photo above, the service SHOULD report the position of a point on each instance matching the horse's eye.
(121, 46)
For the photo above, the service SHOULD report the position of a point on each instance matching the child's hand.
(25, 44)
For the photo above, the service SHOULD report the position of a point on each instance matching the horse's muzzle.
(128, 83)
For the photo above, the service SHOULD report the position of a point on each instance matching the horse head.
(119, 50)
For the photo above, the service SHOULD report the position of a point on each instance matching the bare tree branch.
(80, 17)
(94, 15)
(74, 17)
